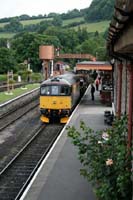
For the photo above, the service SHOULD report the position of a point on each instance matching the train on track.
(59, 95)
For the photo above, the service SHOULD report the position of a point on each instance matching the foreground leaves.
(105, 159)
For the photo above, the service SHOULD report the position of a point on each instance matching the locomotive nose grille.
(54, 113)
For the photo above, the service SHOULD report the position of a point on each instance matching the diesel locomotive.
(58, 97)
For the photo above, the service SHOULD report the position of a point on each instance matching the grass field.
(91, 27)
(3, 24)
(69, 21)
(6, 35)
(4, 96)
(35, 21)
(28, 22)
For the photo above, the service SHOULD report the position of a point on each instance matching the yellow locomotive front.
(55, 100)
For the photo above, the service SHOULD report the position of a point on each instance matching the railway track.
(16, 175)
(11, 116)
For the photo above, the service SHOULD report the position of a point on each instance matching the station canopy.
(93, 65)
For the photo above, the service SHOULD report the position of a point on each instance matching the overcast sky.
(11, 8)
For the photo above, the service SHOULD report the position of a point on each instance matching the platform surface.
(59, 175)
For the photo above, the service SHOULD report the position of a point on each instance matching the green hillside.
(94, 18)
(34, 21)
(91, 27)
(70, 21)
(6, 35)
(96, 26)
(99, 10)
(3, 24)
(28, 22)
(71, 32)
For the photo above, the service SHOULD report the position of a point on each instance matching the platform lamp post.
(46, 54)
(52, 66)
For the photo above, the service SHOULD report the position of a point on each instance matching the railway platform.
(58, 177)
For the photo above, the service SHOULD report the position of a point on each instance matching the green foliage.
(72, 20)
(3, 77)
(35, 21)
(71, 14)
(54, 29)
(23, 75)
(13, 26)
(3, 42)
(37, 77)
(100, 10)
(26, 46)
(57, 21)
(6, 35)
(105, 158)
(94, 45)
(7, 60)
(43, 26)
(12, 81)
(15, 77)
(74, 23)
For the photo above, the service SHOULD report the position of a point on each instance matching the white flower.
(99, 142)
(109, 162)
(105, 136)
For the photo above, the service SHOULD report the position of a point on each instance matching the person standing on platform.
(100, 86)
(92, 92)
(97, 84)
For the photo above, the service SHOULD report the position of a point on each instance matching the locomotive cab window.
(45, 90)
(55, 90)
(65, 90)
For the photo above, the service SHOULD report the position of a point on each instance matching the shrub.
(3, 77)
(105, 158)
(37, 77)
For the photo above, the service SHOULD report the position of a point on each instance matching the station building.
(120, 49)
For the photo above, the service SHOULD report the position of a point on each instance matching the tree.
(43, 26)
(57, 21)
(7, 60)
(3, 42)
(89, 46)
(14, 26)
(71, 14)
(99, 10)
(69, 40)
(82, 34)
(24, 17)
(101, 53)
(26, 46)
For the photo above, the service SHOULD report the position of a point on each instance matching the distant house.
(93, 65)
